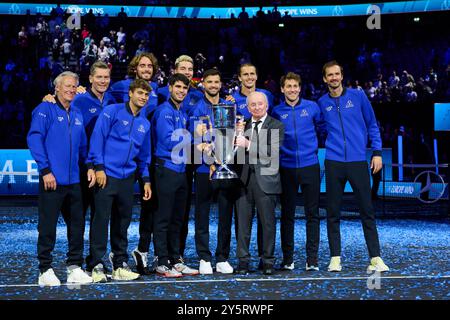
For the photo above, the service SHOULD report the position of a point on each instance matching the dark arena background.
(398, 53)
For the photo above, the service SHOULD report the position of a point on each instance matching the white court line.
(229, 280)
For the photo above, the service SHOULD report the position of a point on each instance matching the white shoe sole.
(191, 274)
(79, 282)
(335, 270)
(224, 271)
(130, 279)
(49, 285)
(168, 276)
(372, 269)
(312, 269)
(206, 272)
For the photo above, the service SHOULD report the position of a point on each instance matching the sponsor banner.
(413, 190)
(225, 13)
(12, 161)
(400, 189)
(27, 179)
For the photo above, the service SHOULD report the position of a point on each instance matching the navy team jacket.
(57, 141)
(350, 122)
(300, 145)
(120, 143)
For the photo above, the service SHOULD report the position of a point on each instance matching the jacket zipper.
(70, 145)
(342, 127)
(297, 152)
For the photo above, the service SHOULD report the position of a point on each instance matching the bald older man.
(260, 180)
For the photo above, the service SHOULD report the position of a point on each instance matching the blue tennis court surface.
(417, 251)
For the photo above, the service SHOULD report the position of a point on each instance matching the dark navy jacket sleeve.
(36, 136)
(371, 124)
(98, 138)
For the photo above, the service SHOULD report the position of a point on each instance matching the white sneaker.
(98, 274)
(311, 267)
(124, 273)
(335, 264)
(377, 264)
(76, 275)
(185, 270)
(224, 267)
(288, 267)
(205, 267)
(48, 278)
(168, 272)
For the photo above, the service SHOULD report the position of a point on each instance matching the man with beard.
(171, 141)
(350, 122)
(142, 66)
(203, 186)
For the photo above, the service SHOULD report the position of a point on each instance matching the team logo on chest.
(125, 122)
(242, 106)
(60, 119)
(284, 116)
(141, 129)
(78, 122)
(349, 104)
(92, 110)
(304, 113)
(329, 108)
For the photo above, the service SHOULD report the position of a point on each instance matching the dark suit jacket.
(267, 166)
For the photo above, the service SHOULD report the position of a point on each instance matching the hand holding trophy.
(224, 125)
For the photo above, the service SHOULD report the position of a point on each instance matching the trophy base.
(224, 175)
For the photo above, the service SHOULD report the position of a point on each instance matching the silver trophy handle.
(239, 133)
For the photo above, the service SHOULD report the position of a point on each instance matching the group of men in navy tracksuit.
(77, 143)
(118, 140)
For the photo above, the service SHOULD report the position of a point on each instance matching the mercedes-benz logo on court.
(430, 178)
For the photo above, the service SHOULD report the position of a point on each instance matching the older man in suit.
(260, 178)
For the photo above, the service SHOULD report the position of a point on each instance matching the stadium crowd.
(392, 67)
